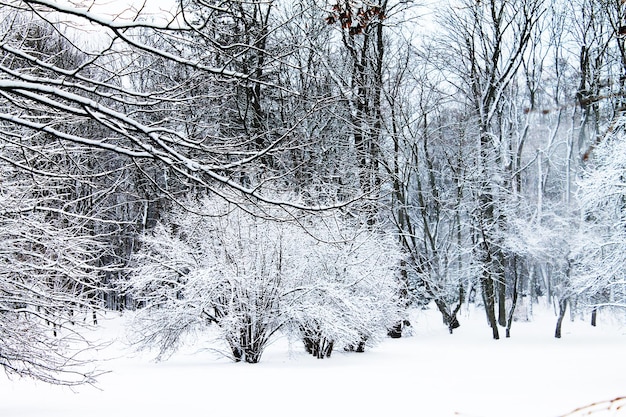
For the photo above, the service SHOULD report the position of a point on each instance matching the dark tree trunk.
(237, 353)
(559, 321)
(316, 344)
(449, 318)
(489, 301)
(594, 316)
(454, 321)
(514, 297)
(361, 347)
(395, 332)
(501, 302)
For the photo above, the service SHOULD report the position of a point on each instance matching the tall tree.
(361, 26)
(486, 44)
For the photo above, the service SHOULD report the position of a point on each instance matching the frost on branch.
(252, 277)
(349, 291)
(48, 283)
(600, 257)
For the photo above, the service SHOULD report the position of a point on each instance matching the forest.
(315, 168)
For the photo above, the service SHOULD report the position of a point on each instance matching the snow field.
(428, 374)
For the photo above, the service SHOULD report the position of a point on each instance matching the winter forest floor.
(430, 373)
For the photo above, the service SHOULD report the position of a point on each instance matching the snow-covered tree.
(194, 270)
(253, 276)
(601, 253)
(48, 284)
(345, 288)
(546, 251)
(192, 94)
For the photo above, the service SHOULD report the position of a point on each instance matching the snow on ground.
(431, 373)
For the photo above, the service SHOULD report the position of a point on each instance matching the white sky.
(125, 8)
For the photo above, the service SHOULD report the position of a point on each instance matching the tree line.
(315, 167)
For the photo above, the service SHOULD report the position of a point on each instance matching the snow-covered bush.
(348, 290)
(253, 276)
(196, 270)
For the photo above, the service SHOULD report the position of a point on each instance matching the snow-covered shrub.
(348, 289)
(252, 276)
(196, 270)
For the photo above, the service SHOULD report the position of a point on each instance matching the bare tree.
(141, 122)
(487, 42)
(426, 164)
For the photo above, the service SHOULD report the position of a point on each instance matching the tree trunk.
(514, 297)
(316, 344)
(502, 302)
(449, 318)
(489, 301)
(594, 316)
(559, 321)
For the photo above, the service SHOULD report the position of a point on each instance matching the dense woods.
(309, 167)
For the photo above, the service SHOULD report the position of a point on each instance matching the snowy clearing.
(430, 373)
